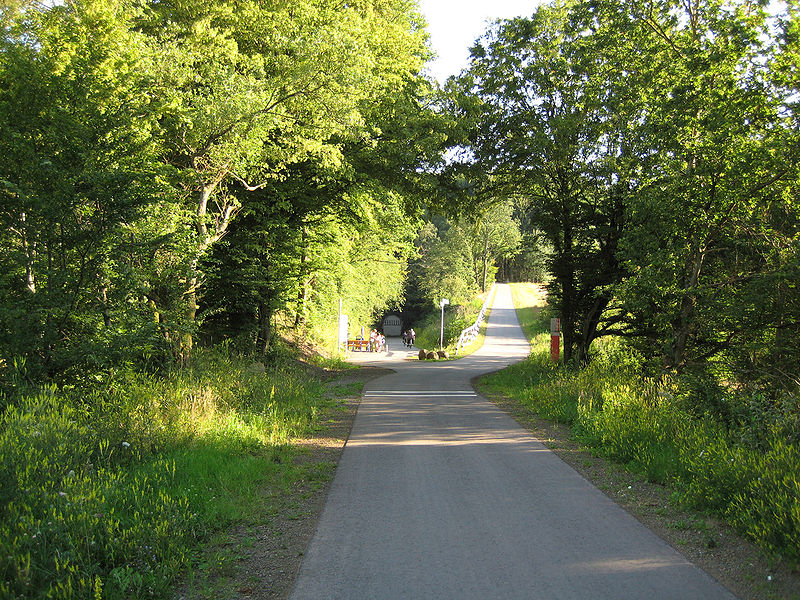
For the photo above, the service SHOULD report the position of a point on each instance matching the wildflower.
(126, 445)
(62, 494)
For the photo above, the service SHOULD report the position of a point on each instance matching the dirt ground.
(269, 554)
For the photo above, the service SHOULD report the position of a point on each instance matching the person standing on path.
(373, 335)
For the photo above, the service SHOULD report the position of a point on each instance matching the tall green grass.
(713, 466)
(456, 319)
(530, 300)
(109, 492)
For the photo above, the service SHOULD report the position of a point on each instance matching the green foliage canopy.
(135, 134)
(656, 148)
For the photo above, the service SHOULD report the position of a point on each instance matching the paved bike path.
(439, 494)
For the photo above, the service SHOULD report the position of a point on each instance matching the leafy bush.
(746, 473)
(715, 472)
(107, 493)
(767, 507)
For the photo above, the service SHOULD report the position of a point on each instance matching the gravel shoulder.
(269, 553)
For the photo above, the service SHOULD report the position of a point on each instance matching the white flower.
(126, 445)
(62, 494)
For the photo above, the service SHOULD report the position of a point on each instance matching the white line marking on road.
(389, 394)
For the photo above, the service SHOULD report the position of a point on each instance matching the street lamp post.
(442, 304)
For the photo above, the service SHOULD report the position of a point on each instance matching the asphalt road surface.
(441, 495)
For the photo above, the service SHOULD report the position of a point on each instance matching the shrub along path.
(440, 494)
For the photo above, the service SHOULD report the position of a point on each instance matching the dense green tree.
(136, 133)
(551, 122)
(254, 87)
(495, 236)
(713, 224)
(345, 225)
(444, 267)
(657, 147)
(328, 239)
(528, 264)
(76, 144)
(457, 257)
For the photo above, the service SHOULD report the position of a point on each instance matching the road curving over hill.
(439, 494)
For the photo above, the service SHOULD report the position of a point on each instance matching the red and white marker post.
(555, 339)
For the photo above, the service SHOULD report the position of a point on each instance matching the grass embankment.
(114, 492)
(456, 319)
(746, 473)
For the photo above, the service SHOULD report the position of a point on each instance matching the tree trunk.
(589, 327)
(682, 325)
(302, 293)
(106, 309)
(205, 239)
(565, 273)
(187, 339)
(568, 328)
(30, 253)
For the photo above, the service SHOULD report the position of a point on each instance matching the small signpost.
(342, 326)
(555, 339)
(442, 304)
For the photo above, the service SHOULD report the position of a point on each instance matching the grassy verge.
(456, 319)
(711, 466)
(477, 343)
(529, 300)
(115, 492)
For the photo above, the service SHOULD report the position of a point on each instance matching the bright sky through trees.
(454, 25)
